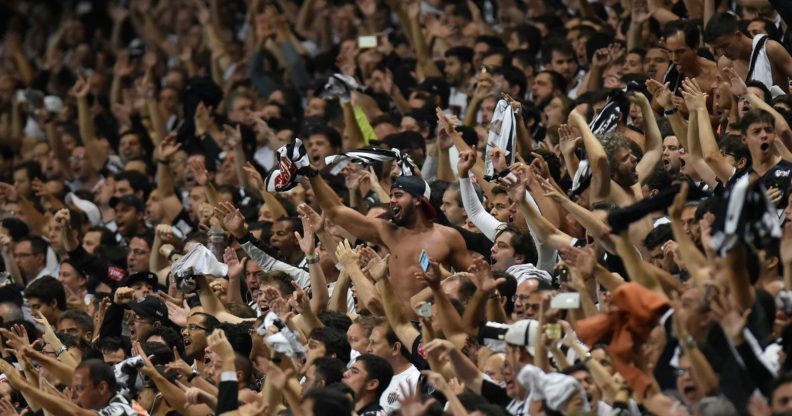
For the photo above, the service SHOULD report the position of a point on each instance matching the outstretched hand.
(231, 219)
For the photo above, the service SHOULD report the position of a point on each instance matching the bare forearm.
(88, 134)
(634, 265)
(703, 374)
(318, 288)
(610, 281)
(471, 111)
(365, 290)
(352, 128)
(449, 319)
(50, 402)
(338, 302)
(444, 172)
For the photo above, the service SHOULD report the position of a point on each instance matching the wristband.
(192, 376)
(163, 161)
(669, 112)
(312, 259)
(495, 295)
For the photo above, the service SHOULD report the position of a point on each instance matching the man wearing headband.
(409, 231)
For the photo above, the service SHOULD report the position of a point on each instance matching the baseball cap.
(523, 333)
(149, 307)
(418, 188)
(77, 268)
(90, 209)
(128, 200)
(145, 277)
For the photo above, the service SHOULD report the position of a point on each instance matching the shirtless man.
(773, 64)
(682, 41)
(409, 231)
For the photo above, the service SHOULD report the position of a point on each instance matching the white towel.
(502, 131)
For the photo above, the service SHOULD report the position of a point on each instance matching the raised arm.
(233, 222)
(636, 268)
(397, 314)
(544, 231)
(95, 152)
(233, 138)
(598, 159)
(366, 291)
(166, 190)
(51, 403)
(359, 225)
(709, 147)
(483, 220)
(447, 316)
(662, 95)
(307, 243)
(654, 143)
(465, 369)
(422, 51)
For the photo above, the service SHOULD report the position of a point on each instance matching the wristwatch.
(690, 343)
(312, 259)
(60, 350)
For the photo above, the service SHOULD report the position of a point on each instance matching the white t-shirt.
(391, 398)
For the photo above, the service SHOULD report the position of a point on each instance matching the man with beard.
(199, 326)
(621, 160)
(559, 56)
(409, 231)
(458, 70)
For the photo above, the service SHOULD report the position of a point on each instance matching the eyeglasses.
(679, 372)
(194, 327)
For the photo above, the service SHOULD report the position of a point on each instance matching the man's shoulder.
(118, 406)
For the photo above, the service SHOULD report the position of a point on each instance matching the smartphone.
(553, 331)
(566, 300)
(424, 261)
(425, 310)
(563, 274)
(366, 42)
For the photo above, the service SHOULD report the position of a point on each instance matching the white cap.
(523, 333)
(89, 208)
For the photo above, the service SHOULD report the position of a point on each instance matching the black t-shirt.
(418, 355)
(183, 223)
(779, 176)
(372, 409)
(494, 393)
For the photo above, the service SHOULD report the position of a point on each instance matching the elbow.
(374, 306)
(711, 157)
(598, 161)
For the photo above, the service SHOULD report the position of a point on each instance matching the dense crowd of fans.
(424, 207)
